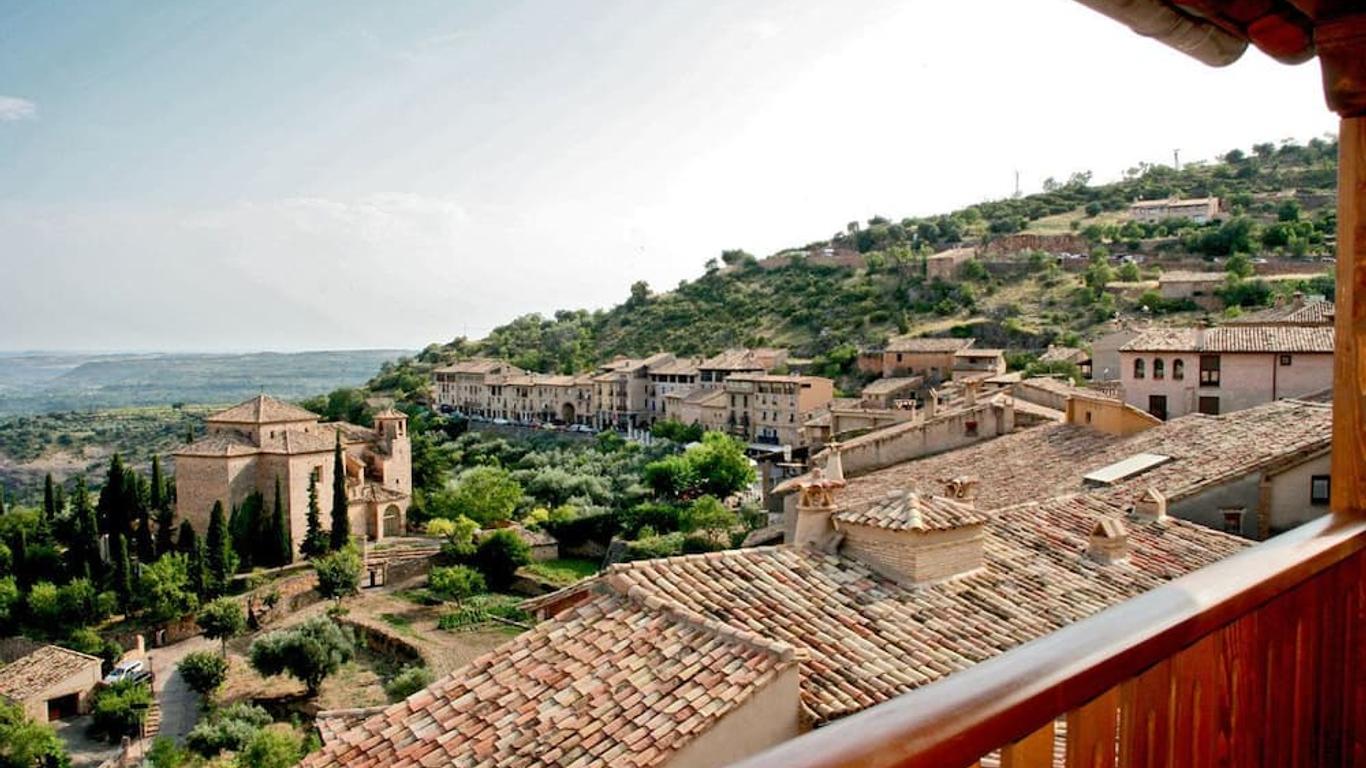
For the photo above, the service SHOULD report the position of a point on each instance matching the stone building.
(50, 682)
(1197, 209)
(1199, 287)
(772, 410)
(931, 358)
(251, 445)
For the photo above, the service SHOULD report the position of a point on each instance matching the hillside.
(47, 382)
(825, 299)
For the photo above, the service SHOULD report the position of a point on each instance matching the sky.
(202, 176)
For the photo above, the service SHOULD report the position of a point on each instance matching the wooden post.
(1349, 361)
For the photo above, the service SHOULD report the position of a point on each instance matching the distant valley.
(43, 382)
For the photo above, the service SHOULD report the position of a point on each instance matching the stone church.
(249, 445)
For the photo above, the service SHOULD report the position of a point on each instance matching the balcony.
(1254, 661)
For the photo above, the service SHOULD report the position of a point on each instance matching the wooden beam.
(1349, 357)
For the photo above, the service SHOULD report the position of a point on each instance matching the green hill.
(826, 299)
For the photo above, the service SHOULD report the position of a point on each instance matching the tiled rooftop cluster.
(911, 511)
(1235, 338)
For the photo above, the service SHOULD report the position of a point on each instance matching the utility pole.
(1176, 158)
(1017, 183)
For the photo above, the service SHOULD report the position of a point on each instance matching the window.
(1319, 488)
(1138, 368)
(1159, 368)
(1285, 359)
(1209, 370)
(1233, 521)
(1178, 369)
(1157, 406)
(970, 428)
(1209, 406)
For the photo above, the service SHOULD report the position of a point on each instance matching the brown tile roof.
(705, 397)
(892, 384)
(622, 680)
(40, 670)
(476, 365)
(1247, 338)
(911, 511)
(908, 344)
(1061, 354)
(1045, 461)
(263, 409)
(221, 444)
(293, 441)
(732, 360)
(391, 413)
(1062, 387)
(682, 366)
(1310, 312)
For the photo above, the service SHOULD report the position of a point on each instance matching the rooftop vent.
(1109, 541)
(1151, 507)
(1124, 469)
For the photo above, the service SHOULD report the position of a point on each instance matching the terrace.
(1255, 660)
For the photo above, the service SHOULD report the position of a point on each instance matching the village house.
(713, 372)
(251, 446)
(770, 409)
(464, 386)
(978, 363)
(620, 390)
(1298, 310)
(929, 358)
(704, 406)
(679, 376)
(1197, 209)
(891, 391)
(945, 264)
(48, 681)
(1199, 287)
(701, 660)
(1174, 371)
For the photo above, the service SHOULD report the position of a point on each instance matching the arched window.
(1138, 368)
(1159, 368)
(1178, 369)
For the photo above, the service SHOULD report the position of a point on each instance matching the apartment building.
(771, 409)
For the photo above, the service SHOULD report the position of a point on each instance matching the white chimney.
(810, 522)
(834, 465)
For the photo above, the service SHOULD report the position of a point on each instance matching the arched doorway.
(393, 521)
(567, 413)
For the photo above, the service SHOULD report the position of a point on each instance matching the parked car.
(501, 422)
(127, 670)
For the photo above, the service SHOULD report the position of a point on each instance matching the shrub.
(659, 516)
(222, 619)
(339, 572)
(119, 710)
(481, 609)
(271, 748)
(230, 729)
(499, 556)
(203, 671)
(25, 743)
(456, 582)
(651, 547)
(165, 754)
(406, 683)
(309, 652)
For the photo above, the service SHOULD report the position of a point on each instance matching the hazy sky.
(303, 175)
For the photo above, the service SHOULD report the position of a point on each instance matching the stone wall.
(910, 557)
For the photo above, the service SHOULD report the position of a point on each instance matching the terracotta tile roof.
(1311, 312)
(911, 511)
(1062, 387)
(908, 344)
(221, 444)
(1045, 461)
(706, 397)
(351, 433)
(477, 365)
(891, 385)
(293, 441)
(679, 367)
(1245, 338)
(391, 413)
(40, 670)
(621, 680)
(733, 360)
(263, 409)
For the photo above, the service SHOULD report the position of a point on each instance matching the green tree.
(196, 563)
(185, 538)
(456, 582)
(721, 465)
(10, 598)
(339, 572)
(204, 671)
(486, 495)
(25, 743)
(121, 571)
(459, 534)
(49, 500)
(163, 509)
(44, 605)
(112, 506)
(308, 652)
(315, 541)
(146, 549)
(1239, 265)
(709, 516)
(219, 561)
(341, 521)
(498, 557)
(1128, 272)
(272, 748)
(283, 552)
(407, 682)
(222, 619)
(120, 709)
(165, 590)
(84, 549)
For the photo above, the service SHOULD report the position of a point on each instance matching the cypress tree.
(85, 549)
(112, 515)
(185, 538)
(284, 549)
(2, 499)
(196, 565)
(189, 433)
(59, 501)
(157, 499)
(121, 575)
(165, 530)
(314, 543)
(19, 559)
(218, 555)
(341, 523)
(146, 552)
(49, 499)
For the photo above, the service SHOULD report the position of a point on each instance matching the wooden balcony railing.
(1254, 661)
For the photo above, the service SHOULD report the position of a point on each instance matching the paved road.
(179, 704)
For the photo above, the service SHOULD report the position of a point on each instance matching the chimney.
(962, 488)
(912, 538)
(834, 465)
(1109, 541)
(970, 393)
(815, 504)
(1151, 507)
(931, 403)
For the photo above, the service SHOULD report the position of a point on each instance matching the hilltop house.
(48, 681)
(1170, 372)
(250, 446)
(1197, 209)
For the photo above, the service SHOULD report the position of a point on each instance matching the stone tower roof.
(262, 409)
